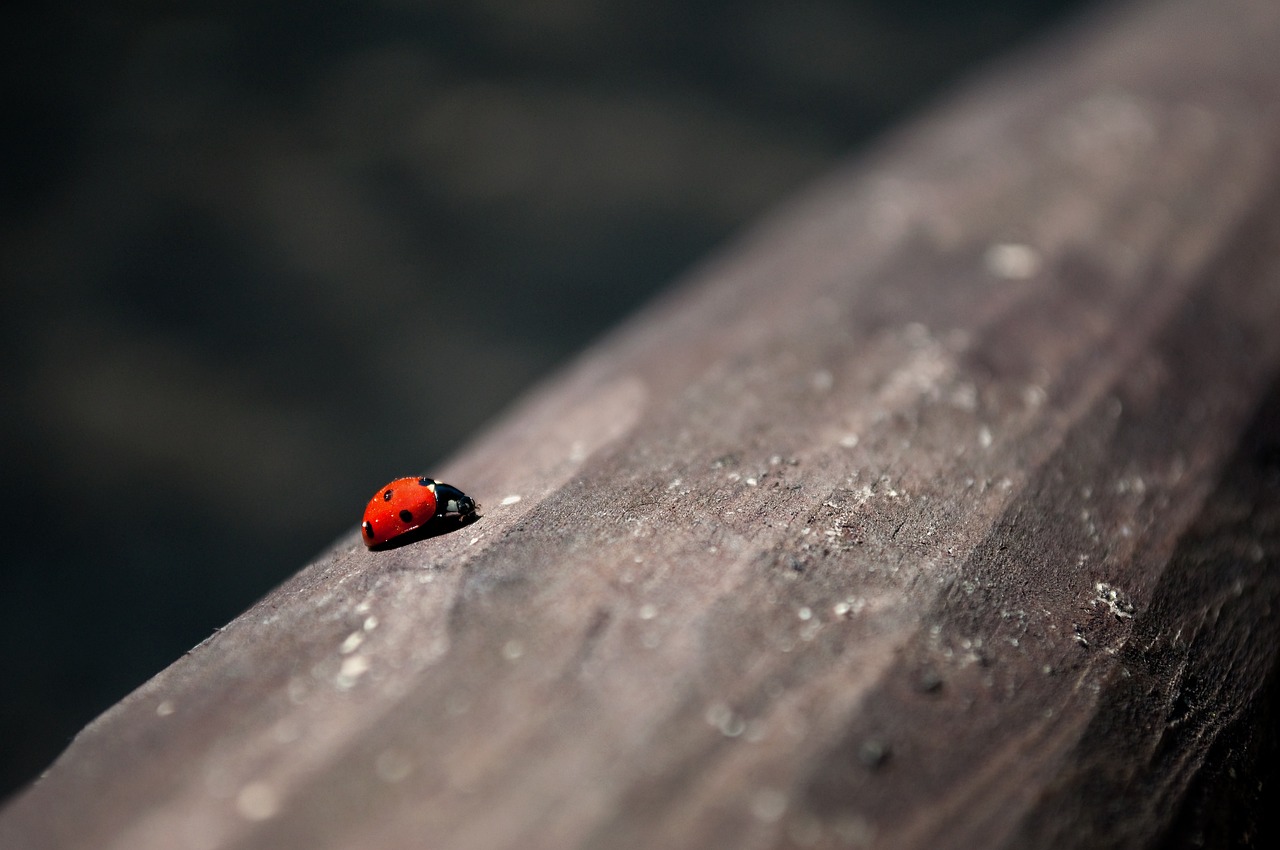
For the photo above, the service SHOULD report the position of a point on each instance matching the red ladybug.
(408, 504)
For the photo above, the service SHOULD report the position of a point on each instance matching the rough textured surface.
(928, 516)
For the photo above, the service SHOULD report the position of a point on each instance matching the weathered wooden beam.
(938, 512)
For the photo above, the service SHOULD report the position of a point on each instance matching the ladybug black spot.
(368, 529)
(406, 516)
(386, 496)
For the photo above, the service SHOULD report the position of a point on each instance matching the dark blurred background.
(259, 257)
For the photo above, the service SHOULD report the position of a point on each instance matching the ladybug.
(409, 504)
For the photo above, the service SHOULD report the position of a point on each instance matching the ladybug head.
(452, 503)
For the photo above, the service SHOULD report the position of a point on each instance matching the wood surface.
(940, 510)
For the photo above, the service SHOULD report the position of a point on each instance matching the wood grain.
(941, 510)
